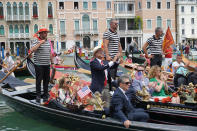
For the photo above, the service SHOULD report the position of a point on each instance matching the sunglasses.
(127, 83)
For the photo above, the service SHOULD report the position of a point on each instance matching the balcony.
(125, 14)
(18, 18)
(86, 32)
(18, 35)
(130, 32)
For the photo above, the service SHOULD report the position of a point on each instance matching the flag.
(168, 40)
(83, 92)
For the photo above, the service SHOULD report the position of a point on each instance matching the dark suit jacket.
(121, 106)
(98, 75)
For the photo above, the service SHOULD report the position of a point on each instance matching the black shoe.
(38, 99)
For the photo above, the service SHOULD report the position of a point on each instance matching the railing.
(122, 32)
(18, 18)
(18, 35)
(83, 32)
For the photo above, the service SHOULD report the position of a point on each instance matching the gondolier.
(112, 46)
(42, 59)
(155, 46)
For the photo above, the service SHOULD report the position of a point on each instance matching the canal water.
(10, 120)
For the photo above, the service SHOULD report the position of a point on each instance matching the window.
(95, 43)
(192, 9)
(61, 5)
(183, 21)
(21, 29)
(2, 30)
(86, 22)
(139, 5)
(51, 28)
(35, 10)
(10, 29)
(94, 5)
(149, 24)
(15, 12)
(192, 20)
(63, 45)
(9, 8)
(76, 5)
(16, 29)
(122, 24)
(130, 8)
(182, 9)
(108, 5)
(26, 8)
(35, 28)
(62, 28)
(121, 7)
(26, 28)
(130, 24)
(1, 10)
(85, 5)
(77, 43)
(108, 24)
(20, 8)
(148, 4)
(50, 10)
(168, 5)
(183, 32)
(159, 21)
(158, 5)
(95, 25)
(169, 23)
(77, 25)
(193, 31)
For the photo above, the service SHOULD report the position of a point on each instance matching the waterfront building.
(186, 13)
(156, 13)
(20, 19)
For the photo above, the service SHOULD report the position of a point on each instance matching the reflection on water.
(13, 121)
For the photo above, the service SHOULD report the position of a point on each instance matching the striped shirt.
(155, 45)
(42, 54)
(114, 39)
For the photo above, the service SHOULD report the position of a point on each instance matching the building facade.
(21, 19)
(156, 13)
(186, 11)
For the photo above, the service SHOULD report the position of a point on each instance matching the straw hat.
(97, 48)
(43, 29)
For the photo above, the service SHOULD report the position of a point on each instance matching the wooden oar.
(84, 71)
(13, 69)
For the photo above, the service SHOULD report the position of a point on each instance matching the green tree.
(138, 22)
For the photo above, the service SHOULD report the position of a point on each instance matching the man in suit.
(100, 70)
(121, 107)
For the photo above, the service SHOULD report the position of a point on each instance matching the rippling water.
(14, 121)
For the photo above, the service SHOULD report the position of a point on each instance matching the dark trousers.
(138, 115)
(156, 60)
(42, 73)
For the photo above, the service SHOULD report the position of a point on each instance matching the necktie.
(105, 82)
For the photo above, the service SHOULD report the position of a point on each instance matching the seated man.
(100, 70)
(176, 64)
(122, 108)
(140, 80)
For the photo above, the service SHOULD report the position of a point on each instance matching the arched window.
(16, 29)
(20, 8)
(50, 10)
(26, 28)
(21, 29)
(26, 8)
(15, 9)
(10, 29)
(51, 28)
(86, 22)
(9, 9)
(1, 10)
(35, 10)
(2, 30)
(159, 21)
(35, 28)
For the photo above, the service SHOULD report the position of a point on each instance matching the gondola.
(22, 71)
(23, 101)
(31, 68)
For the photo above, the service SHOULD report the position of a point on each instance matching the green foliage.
(138, 22)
